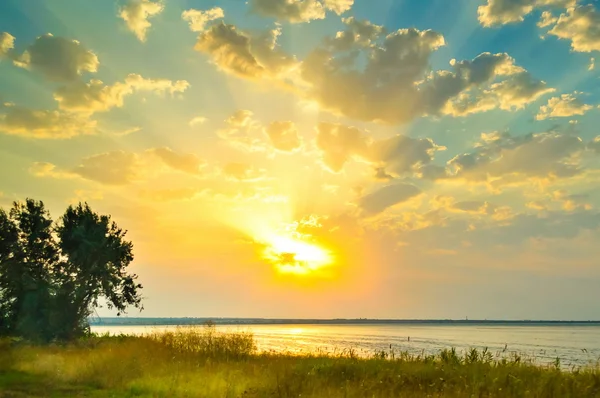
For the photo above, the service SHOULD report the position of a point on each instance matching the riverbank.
(205, 363)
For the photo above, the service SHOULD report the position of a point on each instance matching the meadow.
(202, 362)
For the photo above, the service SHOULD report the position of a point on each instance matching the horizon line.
(344, 319)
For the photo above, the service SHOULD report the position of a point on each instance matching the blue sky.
(319, 158)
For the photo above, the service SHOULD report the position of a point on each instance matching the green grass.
(205, 363)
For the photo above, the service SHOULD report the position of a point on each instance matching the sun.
(294, 256)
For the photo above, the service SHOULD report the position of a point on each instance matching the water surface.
(573, 345)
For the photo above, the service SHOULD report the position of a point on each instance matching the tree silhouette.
(52, 276)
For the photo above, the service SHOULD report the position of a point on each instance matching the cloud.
(123, 167)
(566, 105)
(136, 13)
(387, 196)
(158, 85)
(76, 102)
(110, 168)
(519, 90)
(366, 74)
(501, 12)
(240, 118)
(385, 89)
(401, 154)
(57, 58)
(358, 33)
(536, 205)
(242, 172)
(91, 97)
(298, 11)
(391, 157)
(186, 162)
(497, 237)
(242, 132)
(397, 86)
(471, 207)
(198, 19)
(503, 159)
(45, 169)
(197, 120)
(571, 202)
(338, 6)
(7, 43)
(546, 19)
(580, 25)
(96, 97)
(283, 136)
(594, 145)
(382, 175)
(169, 195)
(556, 224)
(244, 55)
(339, 143)
(43, 124)
(516, 91)
(127, 131)
(473, 210)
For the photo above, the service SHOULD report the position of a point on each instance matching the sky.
(319, 158)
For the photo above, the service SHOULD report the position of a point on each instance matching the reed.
(202, 362)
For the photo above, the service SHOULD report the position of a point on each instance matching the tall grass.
(206, 363)
(207, 342)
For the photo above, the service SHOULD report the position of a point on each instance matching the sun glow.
(291, 244)
(293, 256)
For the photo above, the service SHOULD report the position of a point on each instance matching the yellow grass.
(205, 363)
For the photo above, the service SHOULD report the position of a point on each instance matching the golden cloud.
(44, 124)
(7, 43)
(566, 105)
(241, 131)
(576, 25)
(96, 97)
(198, 19)
(396, 84)
(386, 197)
(186, 162)
(502, 12)
(298, 11)
(110, 168)
(391, 157)
(243, 172)
(244, 55)
(136, 13)
(503, 159)
(122, 167)
(284, 136)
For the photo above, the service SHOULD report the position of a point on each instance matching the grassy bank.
(205, 363)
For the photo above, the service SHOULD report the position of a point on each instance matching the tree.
(52, 276)
(96, 261)
(10, 285)
(25, 275)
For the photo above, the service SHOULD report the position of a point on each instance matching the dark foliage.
(53, 275)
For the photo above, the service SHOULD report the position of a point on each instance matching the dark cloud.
(388, 196)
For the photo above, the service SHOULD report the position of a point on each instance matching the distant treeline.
(116, 321)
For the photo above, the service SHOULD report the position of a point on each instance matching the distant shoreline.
(116, 321)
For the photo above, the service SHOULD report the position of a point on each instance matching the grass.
(205, 363)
